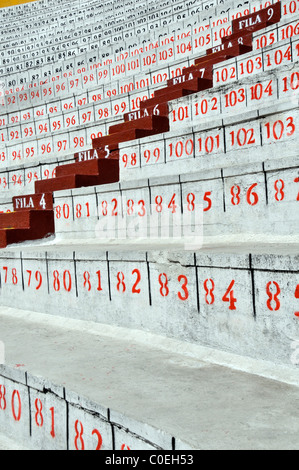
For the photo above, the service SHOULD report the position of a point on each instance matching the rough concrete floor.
(206, 405)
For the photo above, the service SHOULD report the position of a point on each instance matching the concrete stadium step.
(226, 54)
(170, 95)
(273, 87)
(154, 122)
(184, 85)
(239, 197)
(72, 392)
(21, 226)
(217, 140)
(220, 294)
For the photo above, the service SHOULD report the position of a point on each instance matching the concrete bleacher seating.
(149, 178)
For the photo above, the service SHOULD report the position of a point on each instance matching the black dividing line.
(75, 271)
(47, 266)
(194, 144)
(108, 271)
(97, 204)
(252, 284)
(261, 132)
(73, 208)
(223, 187)
(197, 289)
(150, 197)
(224, 137)
(164, 142)
(181, 194)
(122, 208)
(23, 284)
(67, 424)
(149, 281)
(29, 404)
(112, 433)
(266, 184)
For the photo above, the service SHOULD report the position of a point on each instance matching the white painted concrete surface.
(154, 388)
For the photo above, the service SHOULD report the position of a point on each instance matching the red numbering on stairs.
(297, 297)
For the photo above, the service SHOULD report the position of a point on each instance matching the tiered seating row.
(72, 46)
(286, 52)
(213, 128)
(124, 19)
(176, 207)
(108, 51)
(225, 142)
(234, 147)
(197, 39)
(104, 170)
(224, 300)
(90, 76)
(48, 416)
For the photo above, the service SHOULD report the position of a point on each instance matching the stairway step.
(158, 123)
(13, 220)
(112, 141)
(40, 224)
(195, 85)
(242, 39)
(89, 167)
(207, 67)
(223, 55)
(174, 95)
(108, 173)
(250, 30)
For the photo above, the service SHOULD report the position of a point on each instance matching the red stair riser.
(197, 84)
(224, 55)
(243, 40)
(148, 123)
(108, 173)
(113, 140)
(89, 167)
(15, 220)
